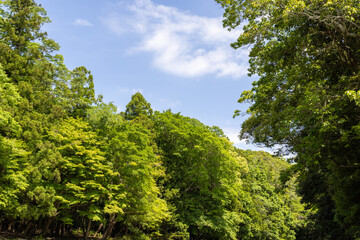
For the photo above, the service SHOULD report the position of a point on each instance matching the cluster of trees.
(307, 99)
(71, 164)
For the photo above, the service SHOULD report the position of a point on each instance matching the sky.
(175, 52)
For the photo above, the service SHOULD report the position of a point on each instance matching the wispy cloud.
(114, 24)
(129, 91)
(181, 44)
(233, 135)
(83, 22)
(170, 104)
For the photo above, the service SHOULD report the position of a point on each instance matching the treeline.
(70, 164)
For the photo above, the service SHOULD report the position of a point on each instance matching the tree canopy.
(72, 165)
(306, 100)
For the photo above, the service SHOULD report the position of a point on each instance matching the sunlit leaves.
(306, 99)
(206, 174)
(69, 162)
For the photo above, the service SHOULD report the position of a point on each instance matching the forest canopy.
(72, 165)
(306, 54)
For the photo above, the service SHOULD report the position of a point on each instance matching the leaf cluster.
(306, 54)
(72, 165)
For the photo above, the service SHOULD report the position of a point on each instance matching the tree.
(135, 206)
(306, 54)
(27, 60)
(203, 176)
(12, 151)
(37, 93)
(82, 93)
(82, 174)
(273, 211)
(26, 51)
(137, 106)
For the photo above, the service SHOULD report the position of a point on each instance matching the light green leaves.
(354, 96)
(205, 172)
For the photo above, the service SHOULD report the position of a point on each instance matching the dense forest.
(72, 165)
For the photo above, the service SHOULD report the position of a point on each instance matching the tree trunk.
(88, 229)
(110, 226)
(98, 230)
(47, 225)
(27, 228)
(9, 226)
(63, 230)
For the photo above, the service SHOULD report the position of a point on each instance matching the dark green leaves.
(306, 54)
(70, 163)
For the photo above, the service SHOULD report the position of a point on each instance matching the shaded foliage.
(306, 100)
(72, 165)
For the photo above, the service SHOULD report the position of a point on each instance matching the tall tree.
(137, 106)
(26, 50)
(43, 89)
(26, 56)
(80, 174)
(203, 176)
(135, 207)
(82, 93)
(12, 151)
(307, 97)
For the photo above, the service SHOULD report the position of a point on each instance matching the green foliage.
(71, 165)
(12, 152)
(81, 174)
(137, 106)
(203, 176)
(320, 222)
(82, 91)
(132, 155)
(9, 99)
(274, 211)
(135, 199)
(306, 54)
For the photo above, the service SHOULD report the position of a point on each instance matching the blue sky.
(175, 52)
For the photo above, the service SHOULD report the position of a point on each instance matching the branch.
(355, 166)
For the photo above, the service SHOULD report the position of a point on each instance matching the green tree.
(12, 151)
(137, 106)
(26, 53)
(203, 176)
(135, 206)
(36, 96)
(25, 56)
(81, 174)
(48, 89)
(306, 54)
(82, 91)
(274, 211)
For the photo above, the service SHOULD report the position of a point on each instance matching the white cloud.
(114, 24)
(233, 135)
(83, 22)
(129, 91)
(181, 44)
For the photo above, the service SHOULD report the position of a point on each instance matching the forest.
(73, 166)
